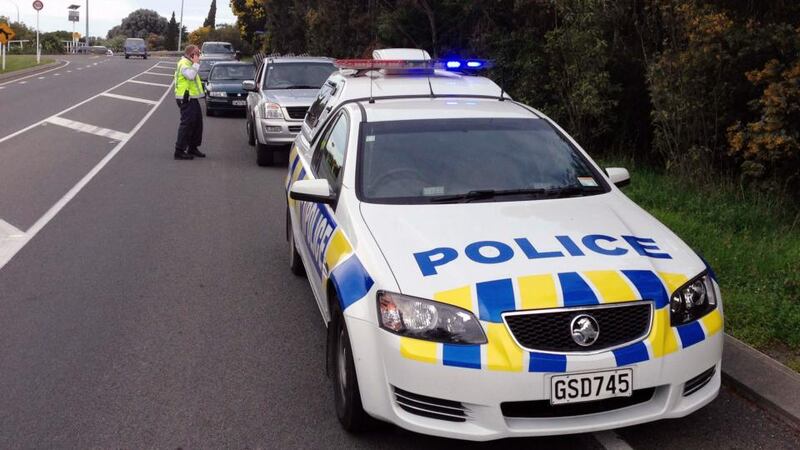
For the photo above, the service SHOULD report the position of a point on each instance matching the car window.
(298, 75)
(425, 161)
(317, 112)
(217, 48)
(328, 157)
(221, 72)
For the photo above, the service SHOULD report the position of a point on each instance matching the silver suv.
(278, 99)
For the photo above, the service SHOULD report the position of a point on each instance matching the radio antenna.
(371, 70)
(430, 86)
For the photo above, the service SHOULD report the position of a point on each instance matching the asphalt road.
(151, 305)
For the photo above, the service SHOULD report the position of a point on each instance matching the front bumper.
(382, 369)
(225, 103)
(277, 131)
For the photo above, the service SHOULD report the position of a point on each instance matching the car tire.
(346, 394)
(251, 138)
(265, 154)
(295, 263)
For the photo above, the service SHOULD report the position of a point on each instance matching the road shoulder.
(762, 379)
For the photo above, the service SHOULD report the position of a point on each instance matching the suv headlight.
(217, 94)
(693, 300)
(271, 111)
(427, 319)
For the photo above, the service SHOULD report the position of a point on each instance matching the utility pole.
(180, 27)
(15, 4)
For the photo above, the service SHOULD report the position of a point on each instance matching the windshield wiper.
(572, 191)
(483, 194)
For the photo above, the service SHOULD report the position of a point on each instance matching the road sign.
(74, 16)
(38, 5)
(6, 33)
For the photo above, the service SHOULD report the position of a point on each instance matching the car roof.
(299, 59)
(427, 108)
(224, 62)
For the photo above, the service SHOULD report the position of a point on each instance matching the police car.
(480, 276)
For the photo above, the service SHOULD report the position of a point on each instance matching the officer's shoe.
(194, 151)
(183, 155)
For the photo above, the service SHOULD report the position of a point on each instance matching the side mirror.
(315, 191)
(249, 85)
(619, 176)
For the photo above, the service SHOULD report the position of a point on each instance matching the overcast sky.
(104, 14)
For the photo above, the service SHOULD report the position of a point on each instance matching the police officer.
(188, 90)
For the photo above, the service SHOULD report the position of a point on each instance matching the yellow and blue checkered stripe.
(489, 299)
(338, 264)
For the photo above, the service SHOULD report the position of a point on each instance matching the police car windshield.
(297, 75)
(222, 72)
(469, 160)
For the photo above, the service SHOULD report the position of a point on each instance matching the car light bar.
(458, 65)
(376, 64)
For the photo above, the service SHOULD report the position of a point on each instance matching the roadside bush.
(769, 147)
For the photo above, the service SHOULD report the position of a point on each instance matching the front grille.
(294, 128)
(297, 112)
(543, 408)
(550, 330)
(235, 95)
(697, 383)
(431, 407)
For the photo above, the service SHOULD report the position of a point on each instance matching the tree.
(251, 17)
(140, 23)
(171, 35)
(212, 16)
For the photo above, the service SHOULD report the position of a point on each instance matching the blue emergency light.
(466, 64)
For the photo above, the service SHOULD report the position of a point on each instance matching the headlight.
(426, 319)
(217, 94)
(693, 300)
(271, 111)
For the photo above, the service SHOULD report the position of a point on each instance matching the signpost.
(6, 34)
(74, 17)
(38, 5)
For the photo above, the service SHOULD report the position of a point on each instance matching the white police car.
(480, 276)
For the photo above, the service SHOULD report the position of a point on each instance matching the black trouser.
(190, 131)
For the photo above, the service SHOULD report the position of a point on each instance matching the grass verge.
(19, 62)
(751, 241)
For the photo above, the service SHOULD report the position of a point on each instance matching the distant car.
(280, 95)
(135, 47)
(224, 88)
(218, 50)
(98, 50)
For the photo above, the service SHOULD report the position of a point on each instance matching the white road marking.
(10, 247)
(94, 64)
(69, 71)
(88, 65)
(66, 63)
(162, 74)
(9, 231)
(40, 78)
(132, 99)
(148, 83)
(11, 240)
(2, 87)
(80, 68)
(610, 440)
(23, 82)
(56, 74)
(88, 128)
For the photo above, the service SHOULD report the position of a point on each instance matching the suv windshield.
(466, 160)
(232, 72)
(297, 75)
(217, 48)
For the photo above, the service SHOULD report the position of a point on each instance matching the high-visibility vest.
(183, 84)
